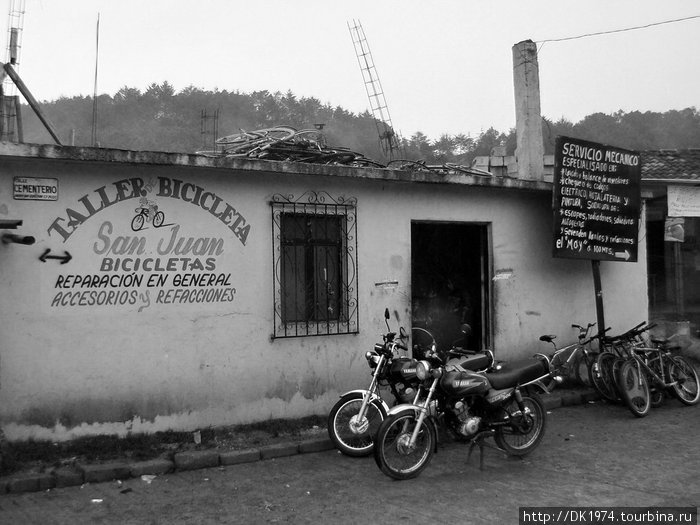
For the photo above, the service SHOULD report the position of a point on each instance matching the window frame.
(320, 205)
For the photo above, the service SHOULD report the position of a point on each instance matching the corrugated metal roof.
(681, 164)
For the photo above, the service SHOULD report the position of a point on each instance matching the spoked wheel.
(656, 391)
(616, 365)
(137, 222)
(158, 219)
(601, 377)
(634, 388)
(685, 377)
(526, 430)
(658, 396)
(581, 366)
(393, 451)
(353, 435)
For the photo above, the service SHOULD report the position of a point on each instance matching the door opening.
(450, 281)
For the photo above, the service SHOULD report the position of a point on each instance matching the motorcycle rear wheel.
(351, 436)
(394, 454)
(634, 388)
(523, 435)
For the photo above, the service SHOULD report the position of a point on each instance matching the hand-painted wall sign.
(135, 188)
(142, 256)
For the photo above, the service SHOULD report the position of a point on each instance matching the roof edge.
(111, 155)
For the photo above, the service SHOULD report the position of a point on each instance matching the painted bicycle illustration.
(147, 212)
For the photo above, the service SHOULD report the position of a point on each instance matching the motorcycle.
(354, 419)
(472, 406)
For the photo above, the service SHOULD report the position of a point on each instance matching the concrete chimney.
(529, 151)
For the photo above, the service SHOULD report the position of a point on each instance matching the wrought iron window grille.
(314, 246)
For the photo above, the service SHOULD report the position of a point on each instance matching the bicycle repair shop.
(147, 291)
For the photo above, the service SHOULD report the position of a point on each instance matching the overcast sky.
(445, 65)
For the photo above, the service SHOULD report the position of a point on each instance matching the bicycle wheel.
(137, 222)
(158, 219)
(685, 378)
(580, 369)
(656, 391)
(601, 376)
(634, 388)
(595, 377)
(616, 365)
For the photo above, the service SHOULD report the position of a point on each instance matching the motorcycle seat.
(470, 360)
(513, 374)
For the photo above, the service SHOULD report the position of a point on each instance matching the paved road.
(592, 454)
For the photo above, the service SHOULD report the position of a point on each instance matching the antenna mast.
(388, 139)
(10, 119)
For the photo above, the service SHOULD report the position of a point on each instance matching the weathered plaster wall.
(155, 363)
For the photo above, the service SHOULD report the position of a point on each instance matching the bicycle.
(660, 367)
(146, 212)
(603, 370)
(577, 364)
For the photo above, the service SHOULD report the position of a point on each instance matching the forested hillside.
(160, 119)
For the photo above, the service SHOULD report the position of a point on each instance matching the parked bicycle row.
(633, 368)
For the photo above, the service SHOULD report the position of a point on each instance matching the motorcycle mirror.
(386, 314)
(466, 330)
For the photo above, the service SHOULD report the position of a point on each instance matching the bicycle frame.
(661, 354)
(555, 370)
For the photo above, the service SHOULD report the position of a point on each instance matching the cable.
(617, 30)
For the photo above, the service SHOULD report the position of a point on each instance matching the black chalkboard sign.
(596, 201)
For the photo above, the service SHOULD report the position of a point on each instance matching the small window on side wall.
(314, 262)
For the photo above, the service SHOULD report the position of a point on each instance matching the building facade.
(173, 291)
(670, 186)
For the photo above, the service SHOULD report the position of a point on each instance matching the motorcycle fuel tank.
(462, 383)
(403, 369)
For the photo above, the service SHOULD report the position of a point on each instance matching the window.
(315, 275)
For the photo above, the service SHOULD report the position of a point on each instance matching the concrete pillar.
(529, 151)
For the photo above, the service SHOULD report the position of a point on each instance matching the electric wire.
(598, 33)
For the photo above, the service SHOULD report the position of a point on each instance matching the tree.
(161, 119)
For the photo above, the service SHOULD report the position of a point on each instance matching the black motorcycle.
(472, 406)
(355, 418)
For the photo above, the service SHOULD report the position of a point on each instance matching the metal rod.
(31, 101)
(598, 301)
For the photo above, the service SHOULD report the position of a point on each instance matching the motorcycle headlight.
(372, 359)
(422, 370)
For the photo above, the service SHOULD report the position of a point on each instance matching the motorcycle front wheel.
(393, 452)
(350, 434)
(525, 431)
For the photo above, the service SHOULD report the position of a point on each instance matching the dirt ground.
(591, 455)
(41, 456)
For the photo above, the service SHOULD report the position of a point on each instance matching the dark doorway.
(450, 281)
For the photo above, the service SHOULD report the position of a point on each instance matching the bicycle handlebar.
(596, 336)
(632, 332)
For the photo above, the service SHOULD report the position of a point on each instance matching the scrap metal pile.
(284, 143)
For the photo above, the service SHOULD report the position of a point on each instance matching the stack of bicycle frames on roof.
(633, 368)
(284, 143)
